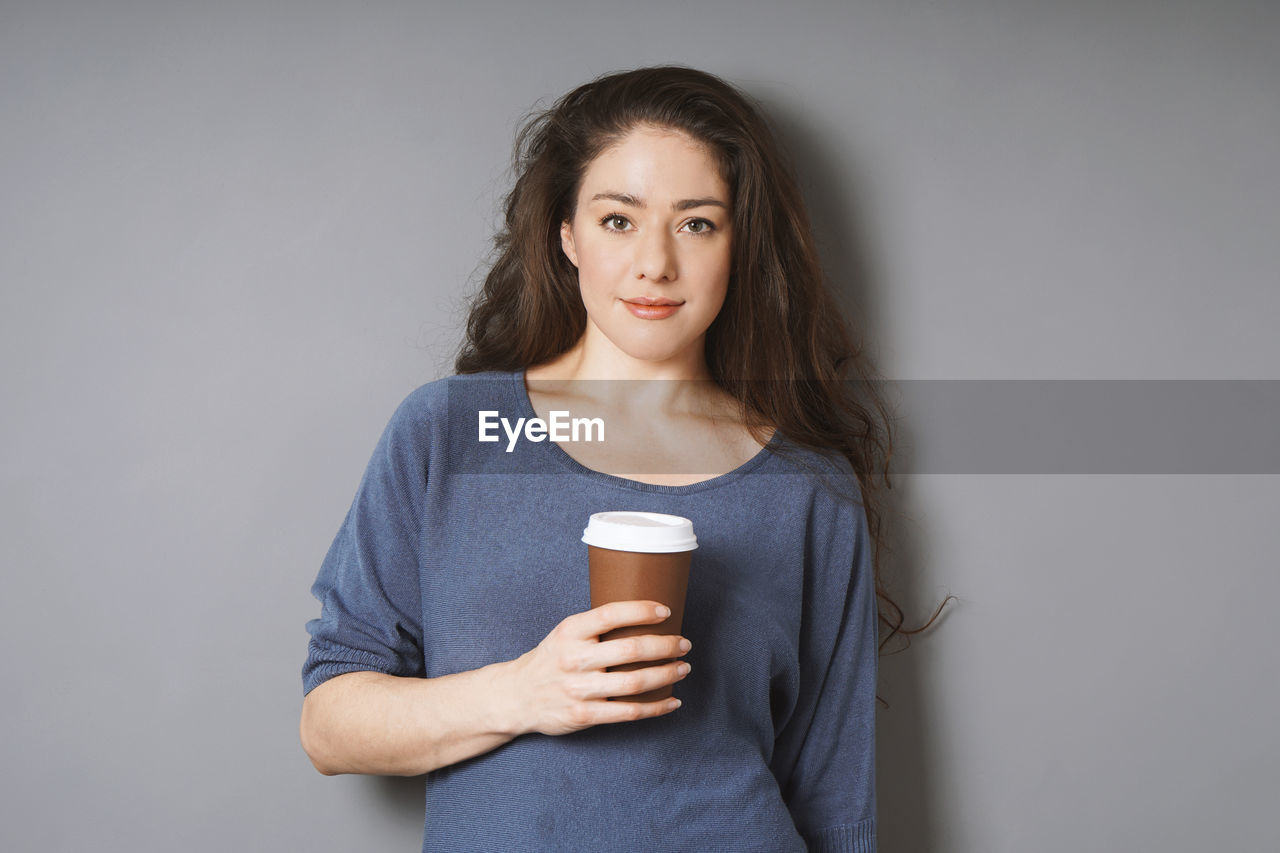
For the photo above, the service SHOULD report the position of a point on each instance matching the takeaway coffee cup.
(645, 556)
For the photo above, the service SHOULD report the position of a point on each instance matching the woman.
(657, 272)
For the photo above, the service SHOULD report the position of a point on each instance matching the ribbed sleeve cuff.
(848, 838)
(326, 660)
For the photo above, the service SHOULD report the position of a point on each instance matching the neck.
(681, 384)
(591, 358)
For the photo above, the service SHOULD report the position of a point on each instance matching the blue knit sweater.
(457, 554)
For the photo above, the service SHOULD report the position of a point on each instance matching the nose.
(655, 258)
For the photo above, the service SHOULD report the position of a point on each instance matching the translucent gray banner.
(1087, 426)
(940, 426)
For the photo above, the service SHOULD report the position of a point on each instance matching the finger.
(599, 620)
(621, 712)
(630, 682)
(646, 647)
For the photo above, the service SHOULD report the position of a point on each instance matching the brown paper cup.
(629, 575)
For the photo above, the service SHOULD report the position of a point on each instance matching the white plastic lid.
(644, 532)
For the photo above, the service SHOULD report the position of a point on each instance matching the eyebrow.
(683, 204)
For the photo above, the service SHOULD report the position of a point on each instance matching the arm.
(824, 755)
(371, 722)
(369, 707)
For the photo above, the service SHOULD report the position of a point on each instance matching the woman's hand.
(561, 685)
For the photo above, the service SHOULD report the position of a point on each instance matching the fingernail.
(675, 703)
(683, 669)
(663, 611)
(685, 645)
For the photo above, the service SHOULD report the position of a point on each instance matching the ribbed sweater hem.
(847, 838)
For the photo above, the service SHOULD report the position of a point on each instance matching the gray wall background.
(233, 236)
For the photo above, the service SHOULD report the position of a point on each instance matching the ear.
(566, 242)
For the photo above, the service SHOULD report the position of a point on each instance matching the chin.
(652, 355)
(655, 352)
(655, 343)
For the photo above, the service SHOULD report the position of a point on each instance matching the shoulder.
(838, 524)
(431, 404)
(825, 470)
(825, 482)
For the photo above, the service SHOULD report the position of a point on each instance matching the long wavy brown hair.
(781, 346)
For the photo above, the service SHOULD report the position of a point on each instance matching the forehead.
(657, 162)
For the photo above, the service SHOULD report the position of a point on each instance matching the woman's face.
(651, 239)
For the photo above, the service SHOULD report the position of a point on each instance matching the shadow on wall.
(907, 817)
(401, 800)
(908, 814)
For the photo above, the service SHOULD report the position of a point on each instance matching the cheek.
(595, 267)
(722, 288)
(715, 272)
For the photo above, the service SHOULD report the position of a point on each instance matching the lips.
(649, 300)
(650, 308)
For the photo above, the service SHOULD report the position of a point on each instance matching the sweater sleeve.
(824, 755)
(368, 584)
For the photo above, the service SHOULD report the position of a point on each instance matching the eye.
(699, 227)
(615, 222)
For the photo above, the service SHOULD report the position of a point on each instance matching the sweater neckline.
(561, 457)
